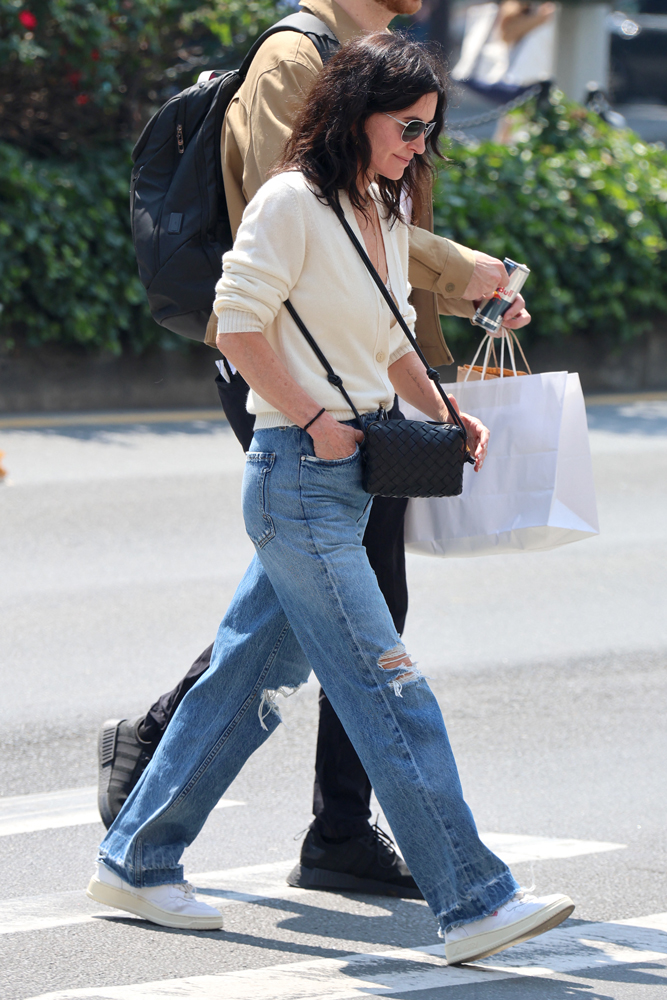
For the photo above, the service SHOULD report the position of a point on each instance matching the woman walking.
(362, 145)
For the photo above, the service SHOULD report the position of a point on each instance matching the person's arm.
(516, 19)
(265, 373)
(451, 270)
(409, 379)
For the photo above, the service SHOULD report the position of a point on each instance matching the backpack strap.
(307, 24)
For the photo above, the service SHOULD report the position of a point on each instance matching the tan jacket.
(257, 125)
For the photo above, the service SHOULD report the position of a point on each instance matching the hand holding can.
(490, 314)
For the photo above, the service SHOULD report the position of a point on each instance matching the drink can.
(490, 314)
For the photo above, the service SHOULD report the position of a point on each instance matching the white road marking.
(51, 810)
(405, 970)
(235, 885)
(254, 883)
(78, 807)
(514, 848)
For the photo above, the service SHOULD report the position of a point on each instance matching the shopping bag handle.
(506, 336)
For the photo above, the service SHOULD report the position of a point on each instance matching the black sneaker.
(122, 759)
(362, 864)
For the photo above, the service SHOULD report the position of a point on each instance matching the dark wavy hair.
(373, 73)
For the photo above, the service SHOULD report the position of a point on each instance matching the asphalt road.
(120, 546)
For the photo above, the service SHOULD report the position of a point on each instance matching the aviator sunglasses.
(412, 130)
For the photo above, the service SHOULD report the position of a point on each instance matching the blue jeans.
(310, 599)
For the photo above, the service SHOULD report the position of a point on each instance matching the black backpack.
(180, 223)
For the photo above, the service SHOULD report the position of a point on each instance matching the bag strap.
(432, 373)
(331, 375)
(303, 22)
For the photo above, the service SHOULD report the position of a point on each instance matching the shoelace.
(384, 846)
(187, 889)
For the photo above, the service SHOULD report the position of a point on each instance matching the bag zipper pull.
(180, 141)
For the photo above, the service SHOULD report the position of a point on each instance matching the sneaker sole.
(121, 899)
(106, 754)
(491, 942)
(328, 881)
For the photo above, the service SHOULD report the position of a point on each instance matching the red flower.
(82, 99)
(74, 77)
(28, 20)
(95, 55)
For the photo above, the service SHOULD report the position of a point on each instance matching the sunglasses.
(412, 130)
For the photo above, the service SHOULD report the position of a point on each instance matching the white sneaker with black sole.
(172, 905)
(522, 917)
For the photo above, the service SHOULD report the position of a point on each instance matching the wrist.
(309, 423)
(321, 427)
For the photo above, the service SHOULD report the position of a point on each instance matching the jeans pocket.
(256, 506)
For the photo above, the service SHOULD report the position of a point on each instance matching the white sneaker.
(523, 917)
(168, 905)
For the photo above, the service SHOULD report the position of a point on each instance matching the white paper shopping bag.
(535, 490)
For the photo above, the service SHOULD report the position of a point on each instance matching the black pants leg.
(158, 717)
(342, 791)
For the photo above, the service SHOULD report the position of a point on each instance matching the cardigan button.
(379, 356)
(449, 287)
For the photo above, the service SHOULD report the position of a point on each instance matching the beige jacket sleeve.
(441, 266)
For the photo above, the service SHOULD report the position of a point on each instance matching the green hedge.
(78, 80)
(583, 205)
(82, 73)
(67, 268)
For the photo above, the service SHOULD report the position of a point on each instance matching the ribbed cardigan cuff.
(238, 321)
(405, 348)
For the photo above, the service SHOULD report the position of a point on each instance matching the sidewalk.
(37, 421)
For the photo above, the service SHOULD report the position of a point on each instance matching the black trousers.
(342, 792)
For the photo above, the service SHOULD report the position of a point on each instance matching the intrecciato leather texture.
(413, 458)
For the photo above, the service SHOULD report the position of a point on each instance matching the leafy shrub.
(80, 72)
(583, 205)
(78, 79)
(67, 268)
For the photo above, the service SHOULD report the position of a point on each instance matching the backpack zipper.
(180, 141)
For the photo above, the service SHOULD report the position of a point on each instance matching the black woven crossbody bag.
(402, 458)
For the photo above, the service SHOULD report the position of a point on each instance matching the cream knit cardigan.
(290, 245)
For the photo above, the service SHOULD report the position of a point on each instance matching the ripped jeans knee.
(269, 705)
(403, 670)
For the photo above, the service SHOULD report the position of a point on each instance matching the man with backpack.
(341, 852)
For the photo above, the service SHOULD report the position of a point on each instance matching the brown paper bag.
(476, 373)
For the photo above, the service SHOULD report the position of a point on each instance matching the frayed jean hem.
(448, 920)
(146, 879)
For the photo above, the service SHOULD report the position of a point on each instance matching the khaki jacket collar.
(335, 18)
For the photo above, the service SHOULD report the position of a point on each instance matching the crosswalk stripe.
(257, 882)
(516, 848)
(406, 970)
(53, 810)
(78, 807)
